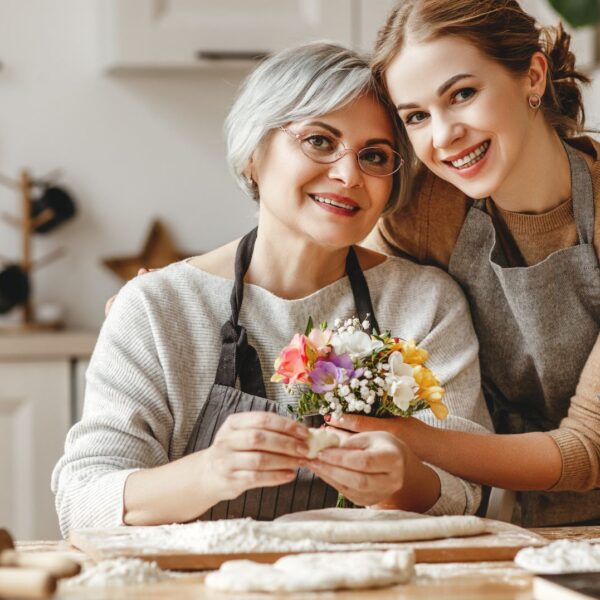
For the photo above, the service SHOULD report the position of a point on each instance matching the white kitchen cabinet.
(200, 33)
(38, 395)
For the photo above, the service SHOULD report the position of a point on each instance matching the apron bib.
(536, 327)
(239, 360)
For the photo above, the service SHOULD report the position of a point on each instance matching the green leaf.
(323, 325)
(578, 13)
(309, 326)
(342, 501)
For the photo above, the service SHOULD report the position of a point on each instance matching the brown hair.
(502, 30)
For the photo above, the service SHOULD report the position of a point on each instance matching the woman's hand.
(255, 449)
(111, 300)
(367, 468)
(418, 436)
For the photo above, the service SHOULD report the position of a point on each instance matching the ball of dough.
(319, 439)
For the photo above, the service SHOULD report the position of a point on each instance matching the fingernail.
(327, 418)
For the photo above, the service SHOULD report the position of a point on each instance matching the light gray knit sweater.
(157, 355)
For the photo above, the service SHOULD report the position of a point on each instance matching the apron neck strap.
(360, 291)
(582, 193)
(240, 359)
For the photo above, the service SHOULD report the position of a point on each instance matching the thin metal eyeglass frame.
(298, 138)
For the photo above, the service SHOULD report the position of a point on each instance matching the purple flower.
(343, 361)
(326, 376)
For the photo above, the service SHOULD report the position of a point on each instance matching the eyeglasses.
(379, 161)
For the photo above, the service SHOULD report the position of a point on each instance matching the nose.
(346, 170)
(445, 131)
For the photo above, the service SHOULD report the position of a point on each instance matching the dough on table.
(348, 514)
(399, 530)
(315, 572)
(319, 439)
(562, 556)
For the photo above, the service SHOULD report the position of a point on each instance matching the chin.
(476, 189)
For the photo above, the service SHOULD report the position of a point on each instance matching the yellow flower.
(430, 391)
(411, 354)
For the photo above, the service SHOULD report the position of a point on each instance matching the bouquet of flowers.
(347, 370)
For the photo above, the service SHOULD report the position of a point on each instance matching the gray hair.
(295, 84)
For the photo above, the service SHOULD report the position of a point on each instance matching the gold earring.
(535, 101)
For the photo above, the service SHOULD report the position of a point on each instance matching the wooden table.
(465, 581)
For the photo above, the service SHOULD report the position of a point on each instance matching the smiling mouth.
(335, 203)
(470, 159)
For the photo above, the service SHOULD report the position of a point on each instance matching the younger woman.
(507, 200)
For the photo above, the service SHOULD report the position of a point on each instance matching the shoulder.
(427, 227)
(163, 294)
(219, 262)
(403, 276)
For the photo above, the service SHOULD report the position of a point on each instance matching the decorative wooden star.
(158, 251)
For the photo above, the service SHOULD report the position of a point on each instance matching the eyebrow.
(338, 134)
(440, 91)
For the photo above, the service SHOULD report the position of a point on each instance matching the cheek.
(380, 191)
(420, 139)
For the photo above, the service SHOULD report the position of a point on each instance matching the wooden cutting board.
(501, 543)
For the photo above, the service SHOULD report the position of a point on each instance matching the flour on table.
(315, 572)
(320, 439)
(563, 556)
(119, 572)
(237, 536)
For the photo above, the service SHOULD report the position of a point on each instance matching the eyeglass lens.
(375, 160)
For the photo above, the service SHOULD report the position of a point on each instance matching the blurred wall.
(132, 147)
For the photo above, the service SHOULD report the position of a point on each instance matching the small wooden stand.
(27, 224)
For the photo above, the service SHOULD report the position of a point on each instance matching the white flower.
(368, 374)
(344, 391)
(337, 323)
(378, 381)
(367, 409)
(354, 383)
(365, 324)
(357, 344)
(401, 381)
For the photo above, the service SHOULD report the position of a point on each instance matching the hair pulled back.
(502, 30)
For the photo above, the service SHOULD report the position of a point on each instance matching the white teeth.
(470, 159)
(333, 202)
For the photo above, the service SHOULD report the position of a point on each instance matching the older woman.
(166, 436)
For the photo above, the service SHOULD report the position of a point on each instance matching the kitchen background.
(118, 95)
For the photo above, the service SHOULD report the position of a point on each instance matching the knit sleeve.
(578, 435)
(126, 423)
(453, 356)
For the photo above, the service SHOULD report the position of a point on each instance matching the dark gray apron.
(239, 360)
(536, 327)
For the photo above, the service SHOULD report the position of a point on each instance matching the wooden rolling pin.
(54, 564)
(26, 583)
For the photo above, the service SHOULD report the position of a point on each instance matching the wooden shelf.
(42, 345)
